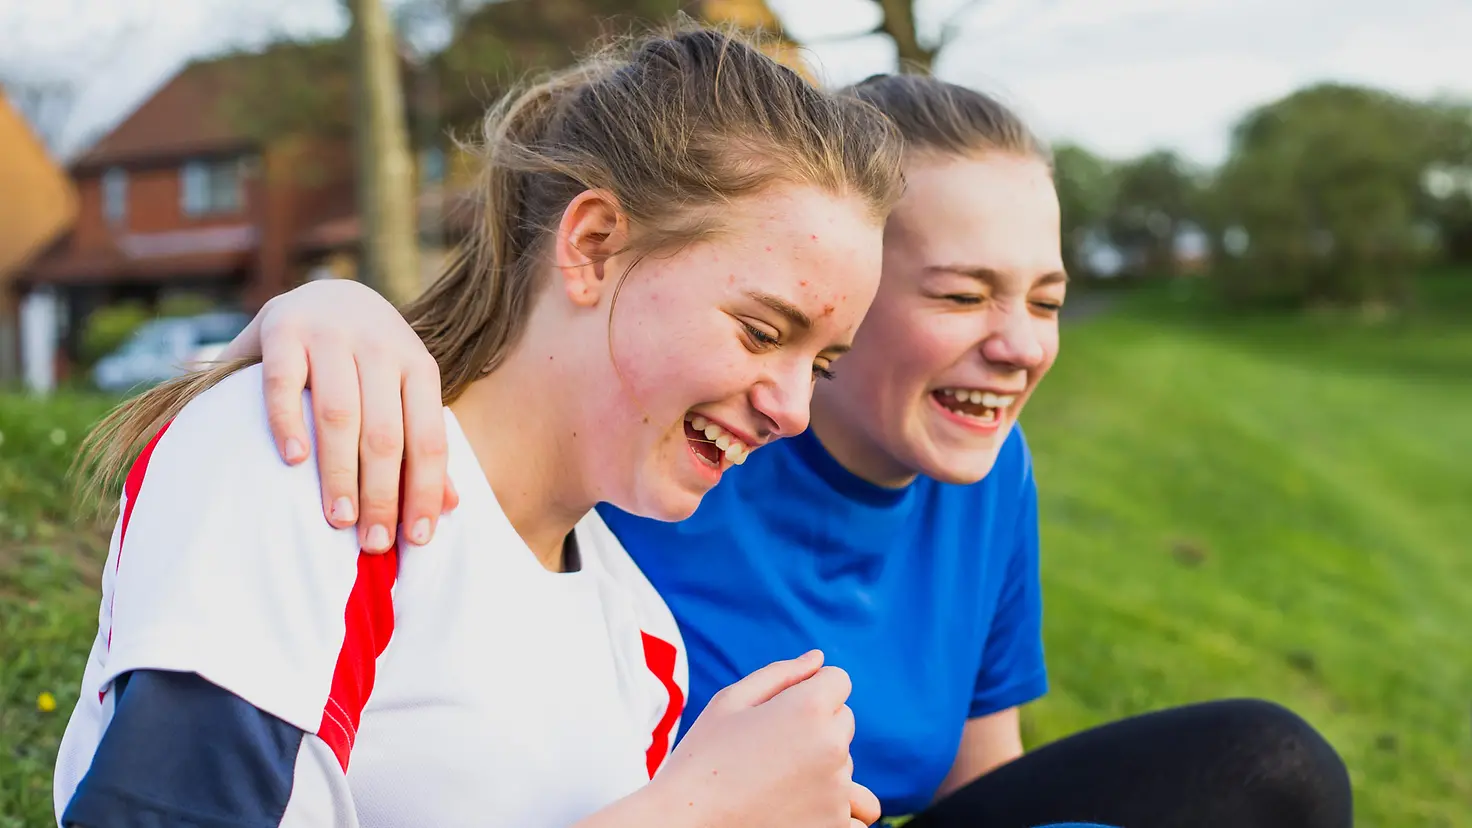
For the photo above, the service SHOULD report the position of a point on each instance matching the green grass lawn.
(49, 571)
(1276, 507)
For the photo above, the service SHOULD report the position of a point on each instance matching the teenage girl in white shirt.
(672, 239)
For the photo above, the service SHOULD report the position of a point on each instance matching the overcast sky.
(1120, 76)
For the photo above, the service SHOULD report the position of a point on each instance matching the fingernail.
(420, 533)
(342, 510)
(294, 450)
(377, 538)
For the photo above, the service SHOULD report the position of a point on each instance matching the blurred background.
(1255, 454)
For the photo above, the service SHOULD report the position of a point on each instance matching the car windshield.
(151, 336)
(219, 328)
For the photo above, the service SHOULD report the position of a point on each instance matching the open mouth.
(980, 407)
(713, 444)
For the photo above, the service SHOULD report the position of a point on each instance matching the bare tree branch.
(47, 103)
(899, 24)
(46, 85)
(954, 23)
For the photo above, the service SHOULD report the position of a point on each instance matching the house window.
(115, 195)
(211, 187)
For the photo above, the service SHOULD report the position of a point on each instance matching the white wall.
(40, 318)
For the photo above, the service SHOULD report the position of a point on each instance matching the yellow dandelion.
(46, 702)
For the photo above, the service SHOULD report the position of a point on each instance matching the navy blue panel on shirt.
(927, 595)
(180, 751)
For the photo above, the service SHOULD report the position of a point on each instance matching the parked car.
(166, 348)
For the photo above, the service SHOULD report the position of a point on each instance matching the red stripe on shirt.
(369, 625)
(131, 487)
(660, 656)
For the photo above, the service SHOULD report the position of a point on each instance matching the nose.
(785, 399)
(1013, 340)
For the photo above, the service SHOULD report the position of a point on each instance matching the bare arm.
(376, 407)
(987, 743)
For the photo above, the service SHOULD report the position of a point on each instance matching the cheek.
(677, 359)
(927, 346)
(1048, 338)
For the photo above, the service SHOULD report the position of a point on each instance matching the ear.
(592, 229)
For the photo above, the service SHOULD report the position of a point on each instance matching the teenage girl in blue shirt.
(899, 533)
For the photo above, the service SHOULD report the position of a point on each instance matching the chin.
(959, 468)
(668, 503)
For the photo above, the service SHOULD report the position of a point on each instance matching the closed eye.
(760, 338)
(963, 298)
(1051, 307)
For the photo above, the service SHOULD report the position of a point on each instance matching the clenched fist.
(773, 750)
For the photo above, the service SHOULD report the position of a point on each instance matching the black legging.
(1226, 764)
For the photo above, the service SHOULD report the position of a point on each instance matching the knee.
(1289, 763)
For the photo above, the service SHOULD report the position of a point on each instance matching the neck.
(852, 448)
(529, 456)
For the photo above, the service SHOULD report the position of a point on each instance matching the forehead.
(819, 251)
(998, 211)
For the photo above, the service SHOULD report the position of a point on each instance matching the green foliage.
(110, 326)
(1155, 196)
(1448, 191)
(500, 42)
(185, 304)
(1325, 183)
(288, 88)
(1087, 186)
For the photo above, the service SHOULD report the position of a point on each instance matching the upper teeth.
(985, 398)
(734, 449)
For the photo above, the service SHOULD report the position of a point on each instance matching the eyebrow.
(993, 277)
(793, 313)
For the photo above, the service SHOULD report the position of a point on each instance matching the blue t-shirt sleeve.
(1012, 667)
(182, 752)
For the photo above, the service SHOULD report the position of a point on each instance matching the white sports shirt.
(455, 684)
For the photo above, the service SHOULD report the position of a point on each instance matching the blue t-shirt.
(928, 596)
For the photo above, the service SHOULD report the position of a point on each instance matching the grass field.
(1276, 507)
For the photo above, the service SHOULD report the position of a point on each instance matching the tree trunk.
(899, 24)
(386, 191)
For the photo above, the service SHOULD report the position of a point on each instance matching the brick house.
(182, 198)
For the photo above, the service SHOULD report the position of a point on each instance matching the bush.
(109, 327)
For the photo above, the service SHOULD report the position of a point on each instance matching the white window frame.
(211, 187)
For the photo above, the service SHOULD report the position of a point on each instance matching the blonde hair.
(670, 124)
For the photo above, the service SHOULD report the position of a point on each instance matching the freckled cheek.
(685, 368)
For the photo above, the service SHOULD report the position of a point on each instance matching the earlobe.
(592, 229)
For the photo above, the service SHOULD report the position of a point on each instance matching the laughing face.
(715, 348)
(964, 325)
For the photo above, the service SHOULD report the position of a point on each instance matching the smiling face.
(716, 346)
(964, 325)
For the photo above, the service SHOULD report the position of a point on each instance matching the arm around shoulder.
(222, 563)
